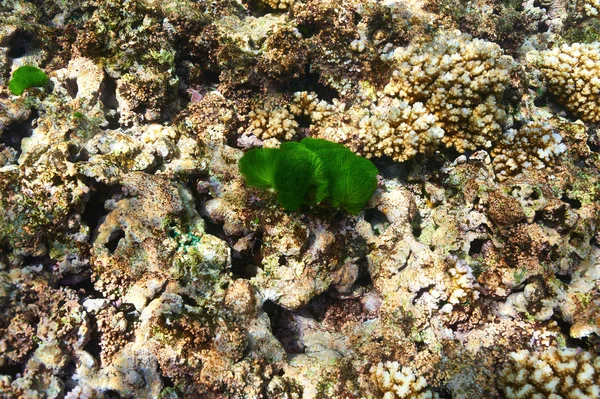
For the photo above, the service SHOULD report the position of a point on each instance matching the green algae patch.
(25, 77)
(311, 171)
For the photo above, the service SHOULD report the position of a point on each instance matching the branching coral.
(460, 81)
(266, 123)
(399, 130)
(592, 7)
(573, 75)
(554, 373)
(534, 146)
(396, 382)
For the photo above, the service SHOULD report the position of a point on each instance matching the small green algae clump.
(311, 171)
(25, 77)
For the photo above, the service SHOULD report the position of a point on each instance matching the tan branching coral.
(464, 285)
(460, 81)
(306, 103)
(553, 373)
(534, 146)
(399, 130)
(399, 382)
(573, 75)
(266, 123)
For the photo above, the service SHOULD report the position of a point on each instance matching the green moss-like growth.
(25, 77)
(309, 172)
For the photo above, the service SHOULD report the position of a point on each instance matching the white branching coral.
(308, 104)
(534, 146)
(554, 373)
(277, 122)
(396, 382)
(464, 286)
(591, 7)
(399, 130)
(572, 73)
(460, 81)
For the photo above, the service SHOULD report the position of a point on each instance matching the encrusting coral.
(573, 76)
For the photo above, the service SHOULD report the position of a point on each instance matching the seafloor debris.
(135, 262)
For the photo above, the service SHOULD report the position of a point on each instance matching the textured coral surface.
(136, 263)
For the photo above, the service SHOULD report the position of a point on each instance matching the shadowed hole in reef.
(19, 44)
(167, 382)
(93, 345)
(575, 203)
(14, 133)
(285, 327)
(565, 328)
(377, 219)
(113, 240)
(11, 370)
(82, 284)
(94, 209)
(476, 246)
(110, 394)
(108, 95)
(45, 261)
(310, 83)
(244, 264)
(72, 87)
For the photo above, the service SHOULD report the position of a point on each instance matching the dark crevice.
(284, 327)
(93, 345)
(422, 292)
(167, 381)
(81, 283)
(12, 370)
(14, 133)
(110, 394)
(211, 78)
(575, 203)
(476, 247)
(364, 277)
(94, 209)
(188, 300)
(565, 329)
(47, 263)
(72, 87)
(113, 240)
(19, 44)
(310, 83)
(377, 219)
(108, 94)
(245, 264)
(564, 278)
(304, 121)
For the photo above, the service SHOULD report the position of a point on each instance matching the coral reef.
(136, 261)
